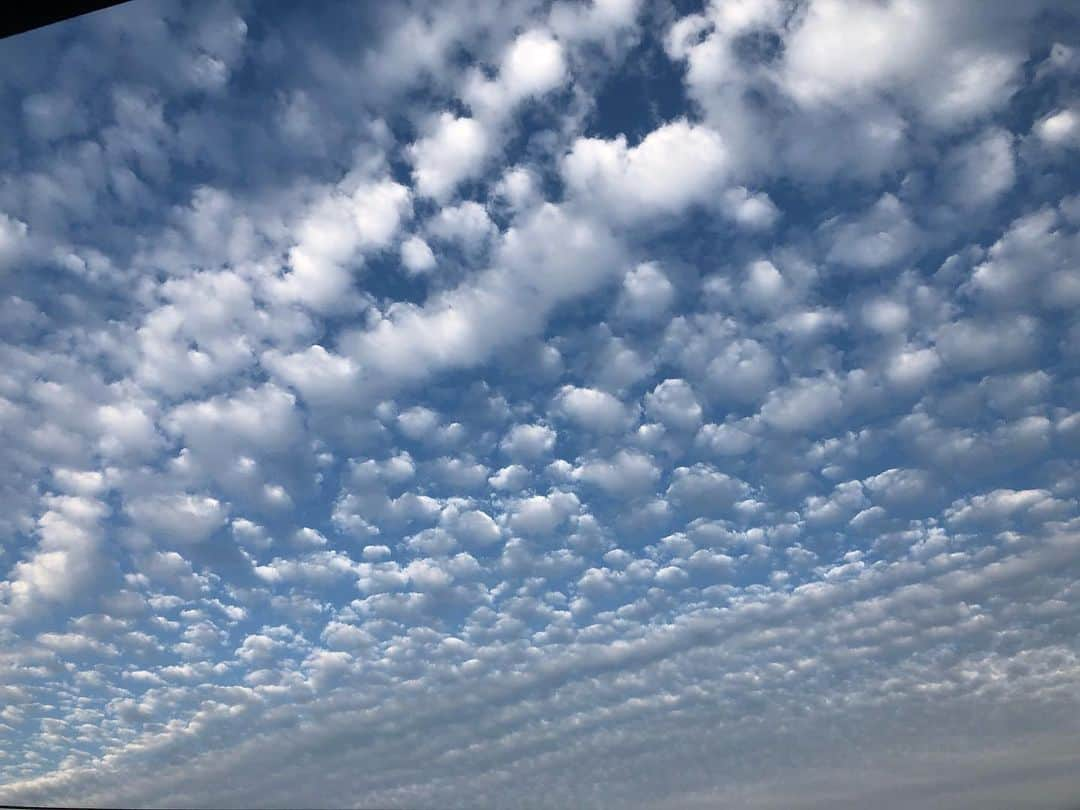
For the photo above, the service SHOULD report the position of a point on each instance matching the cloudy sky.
(610, 404)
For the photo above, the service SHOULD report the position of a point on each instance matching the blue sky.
(527, 405)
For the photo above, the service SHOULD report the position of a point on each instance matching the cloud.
(1060, 128)
(532, 65)
(593, 409)
(674, 403)
(178, 518)
(417, 256)
(883, 237)
(453, 151)
(339, 229)
(510, 301)
(675, 166)
(627, 474)
(646, 294)
(528, 442)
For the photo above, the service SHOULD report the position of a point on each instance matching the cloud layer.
(541, 405)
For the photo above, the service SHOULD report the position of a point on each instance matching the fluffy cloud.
(882, 237)
(674, 166)
(453, 151)
(528, 441)
(592, 409)
(339, 229)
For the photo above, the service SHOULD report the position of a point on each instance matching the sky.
(474, 404)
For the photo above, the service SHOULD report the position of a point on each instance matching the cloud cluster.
(541, 404)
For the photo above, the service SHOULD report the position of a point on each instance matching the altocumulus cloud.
(565, 404)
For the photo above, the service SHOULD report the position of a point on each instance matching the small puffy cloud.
(466, 224)
(13, 240)
(593, 409)
(884, 236)
(474, 527)
(127, 431)
(646, 293)
(54, 115)
(1060, 128)
(416, 256)
(705, 491)
(341, 636)
(454, 151)
(1034, 261)
(528, 442)
(319, 375)
(764, 288)
(743, 371)
(911, 368)
(181, 517)
(728, 439)
(909, 49)
(599, 20)
(341, 227)
(517, 188)
(512, 478)
(67, 559)
(674, 166)
(995, 509)
(542, 514)
(628, 473)
(974, 345)
(532, 65)
(980, 171)
(753, 211)
(549, 257)
(885, 315)
(846, 500)
(252, 421)
(418, 422)
(674, 403)
(805, 404)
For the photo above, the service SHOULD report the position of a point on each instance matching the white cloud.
(751, 210)
(465, 325)
(467, 224)
(512, 478)
(675, 166)
(627, 473)
(528, 442)
(542, 514)
(341, 227)
(764, 288)
(454, 151)
(674, 403)
(973, 345)
(901, 47)
(182, 518)
(705, 491)
(980, 171)
(531, 66)
(646, 294)
(13, 240)
(806, 404)
(1060, 128)
(884, 236)
(417, 256)
(593, 409)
